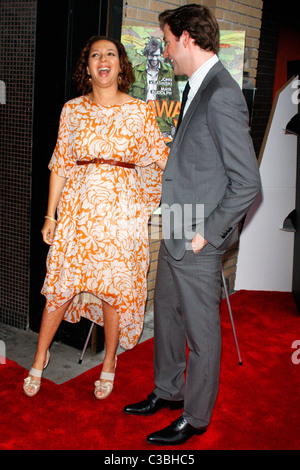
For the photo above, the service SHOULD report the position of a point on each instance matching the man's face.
(154, 58)
(174, 51)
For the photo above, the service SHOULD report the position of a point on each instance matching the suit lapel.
(189, 113)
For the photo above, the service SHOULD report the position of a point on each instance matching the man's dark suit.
(212, 166)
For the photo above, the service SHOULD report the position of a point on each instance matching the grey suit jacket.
(211, 177)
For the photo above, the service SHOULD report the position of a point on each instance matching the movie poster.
(155, 81)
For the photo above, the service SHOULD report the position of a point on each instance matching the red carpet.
(257, 406)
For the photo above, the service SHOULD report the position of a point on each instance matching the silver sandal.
(105, 388)
(31, 383)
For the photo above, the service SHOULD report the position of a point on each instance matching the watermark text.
(296, 354)
(2, 352)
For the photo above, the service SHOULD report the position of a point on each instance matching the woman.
(105, 182)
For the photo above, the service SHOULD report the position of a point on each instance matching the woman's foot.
(104, 386)
(32, 383)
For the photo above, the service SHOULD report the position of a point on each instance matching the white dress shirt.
(197, 78)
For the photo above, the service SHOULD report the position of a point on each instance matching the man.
(212, 165)
(155, 80)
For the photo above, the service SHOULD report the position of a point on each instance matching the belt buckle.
(93, 161)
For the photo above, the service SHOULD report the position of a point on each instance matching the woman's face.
(103, 63)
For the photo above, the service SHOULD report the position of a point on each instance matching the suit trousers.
(186, 313)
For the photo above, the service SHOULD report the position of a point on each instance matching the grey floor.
(20, 346)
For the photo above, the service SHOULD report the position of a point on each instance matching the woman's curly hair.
(81, 77)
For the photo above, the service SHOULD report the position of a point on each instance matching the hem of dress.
(84, 313)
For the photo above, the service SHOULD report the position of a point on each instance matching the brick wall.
(275, 15)
(245, 15)
(242, 15)
(154, 239)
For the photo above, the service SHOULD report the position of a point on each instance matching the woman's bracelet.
(51, 218)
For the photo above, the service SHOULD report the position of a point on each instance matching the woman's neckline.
(108, 105)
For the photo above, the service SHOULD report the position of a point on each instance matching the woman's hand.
(56, 185)
(48, 231)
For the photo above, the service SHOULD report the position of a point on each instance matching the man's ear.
(185, 38)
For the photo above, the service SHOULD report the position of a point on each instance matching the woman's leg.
(49, 325)
(111, 333)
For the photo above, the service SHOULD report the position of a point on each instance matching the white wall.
(265, 259)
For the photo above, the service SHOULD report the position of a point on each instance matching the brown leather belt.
(108, 162)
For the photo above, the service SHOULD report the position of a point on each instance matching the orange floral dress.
(100, 248)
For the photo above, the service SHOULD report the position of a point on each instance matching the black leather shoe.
(177, 433)
(151, 405)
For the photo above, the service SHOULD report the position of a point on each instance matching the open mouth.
(103, 71)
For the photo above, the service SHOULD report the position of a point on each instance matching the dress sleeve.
(61, 161)
(152, 149)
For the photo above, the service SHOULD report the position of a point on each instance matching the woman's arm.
(56, 185)
(161, 164)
